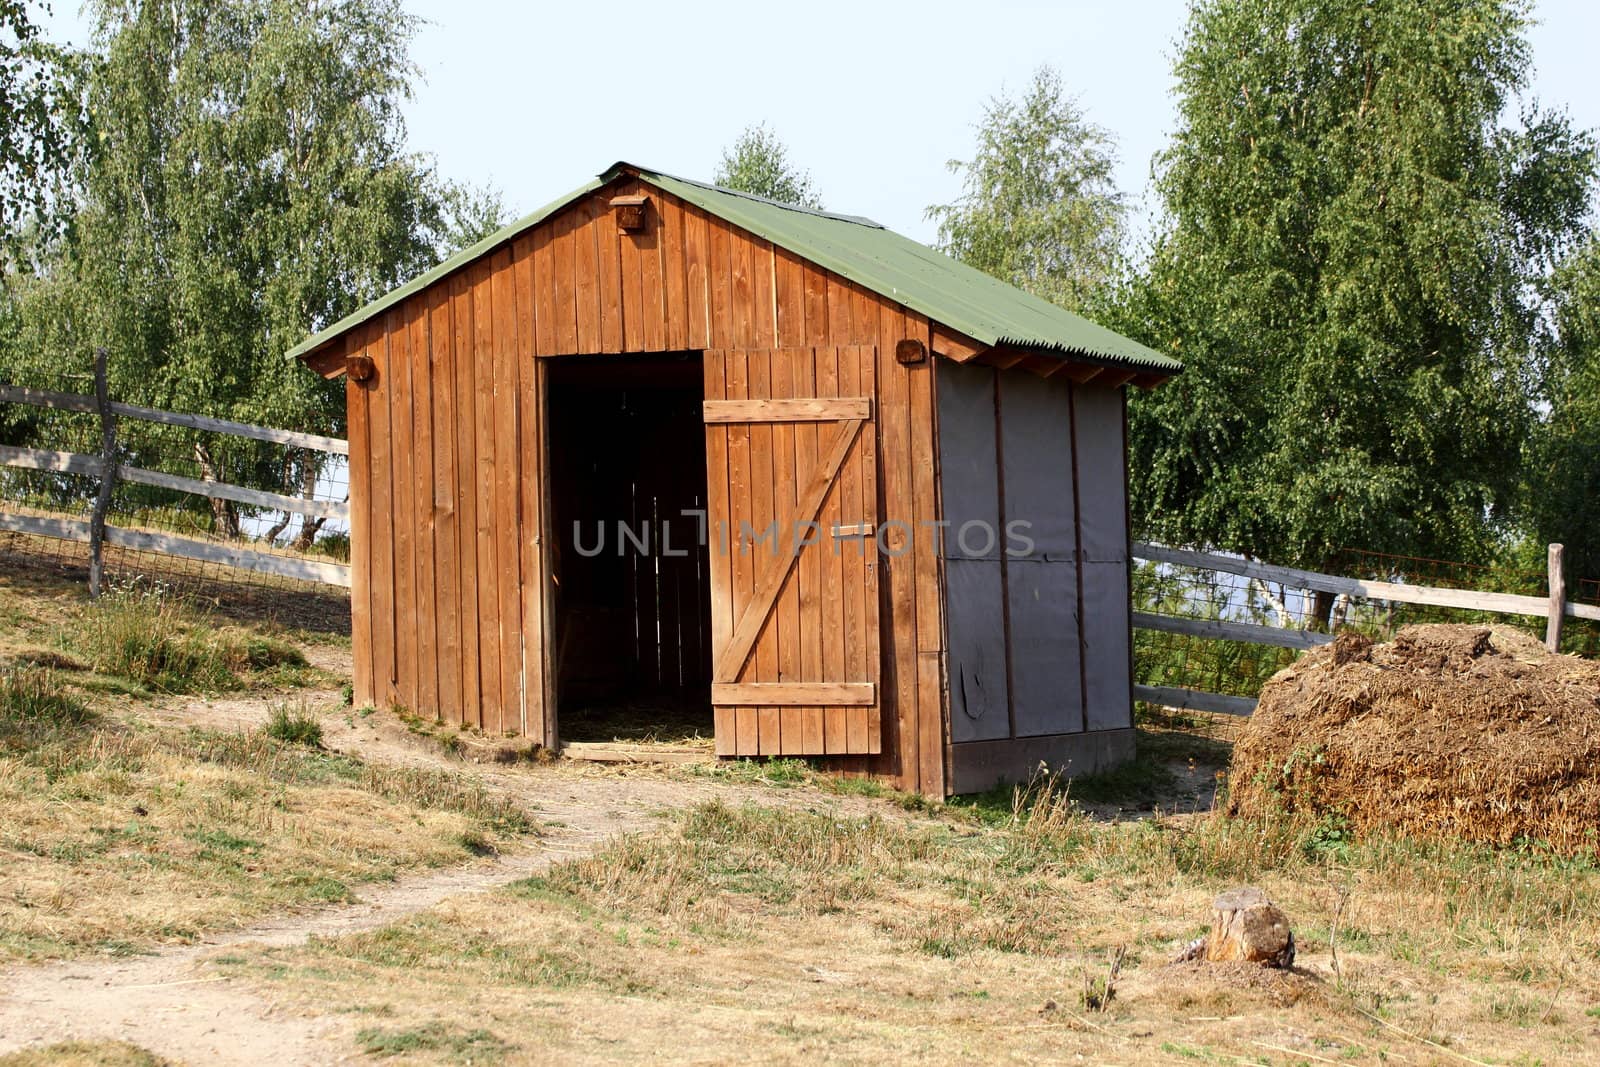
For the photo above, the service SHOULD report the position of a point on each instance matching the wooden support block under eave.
(792, 694)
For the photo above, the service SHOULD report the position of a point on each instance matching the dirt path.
(173, 1004)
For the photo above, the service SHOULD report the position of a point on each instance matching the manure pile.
(1468, 732)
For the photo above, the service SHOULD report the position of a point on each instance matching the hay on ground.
(1467, 732)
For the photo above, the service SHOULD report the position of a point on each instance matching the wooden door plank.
(777, 694)
(811, 560)
(717, 513)
(447, 577)
(867, 465)
(466, 477)
(851, 551)
(831, 608)
(508, 480)
(772, 571)
(789, 409)
(763, 516)
(741, 563)
(785, 495)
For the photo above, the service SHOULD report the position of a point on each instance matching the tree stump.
(1245, 925)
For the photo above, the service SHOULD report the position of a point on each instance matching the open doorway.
(627, 469)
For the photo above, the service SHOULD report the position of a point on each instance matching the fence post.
(1558, 601)
(108, 472)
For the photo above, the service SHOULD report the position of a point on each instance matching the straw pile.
(1467, 732)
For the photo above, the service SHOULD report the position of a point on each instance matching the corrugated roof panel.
(947, 291)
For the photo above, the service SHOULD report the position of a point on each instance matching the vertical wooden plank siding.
(446, 519)
(508, 502)
(466, 419)
(530, 479)
(381, 526)
(897, 557)
(454, 456)
(357, 400)
(489, 563)
(403, 514)
(422, 481)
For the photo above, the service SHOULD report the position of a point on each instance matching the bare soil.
(175, 1005)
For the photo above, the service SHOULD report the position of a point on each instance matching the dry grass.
(143, 639)
(1460, 732)
(117, 836)
(85, 1054)
(798, 935)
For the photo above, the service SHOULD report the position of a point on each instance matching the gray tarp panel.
(1108, 695)
(1042, 588)
(1036, 442)
(970, 492)
(1101, 473)
(1046, 690)
(967, 465)
(977, 654)
(1101, 492)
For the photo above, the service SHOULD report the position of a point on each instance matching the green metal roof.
(949, 292)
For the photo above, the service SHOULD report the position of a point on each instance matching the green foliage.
(1348, 271)
(758, 163)
(294, 727)
(41, 124)
(1563, 475)
(247, 181)
(1039, 206)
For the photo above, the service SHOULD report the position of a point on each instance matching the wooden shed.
(661, 441)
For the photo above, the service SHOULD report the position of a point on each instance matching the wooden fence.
(1554, 609)
(106, 466)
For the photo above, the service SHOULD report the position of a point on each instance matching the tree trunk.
(308, 490)
(224, 516)
(1245, 925)
(1321, 611)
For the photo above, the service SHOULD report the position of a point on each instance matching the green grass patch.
(474, 1046)
(294, 727)
(156, 639)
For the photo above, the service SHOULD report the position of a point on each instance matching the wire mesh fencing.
(201, 504)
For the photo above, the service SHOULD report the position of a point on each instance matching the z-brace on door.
(791, 460)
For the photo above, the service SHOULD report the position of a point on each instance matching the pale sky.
(871, 98)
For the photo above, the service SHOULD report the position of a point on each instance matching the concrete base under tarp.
(979, 765)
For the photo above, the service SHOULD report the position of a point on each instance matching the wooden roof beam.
(956, 346)
(327, 361)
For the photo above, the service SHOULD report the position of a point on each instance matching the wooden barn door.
(791, 514)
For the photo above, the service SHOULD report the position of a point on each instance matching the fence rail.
(96, 532)
(1555, 609)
